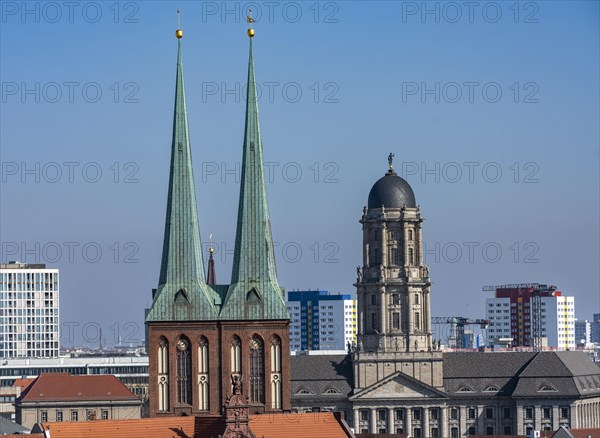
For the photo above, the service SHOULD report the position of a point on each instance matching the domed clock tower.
(393, 287)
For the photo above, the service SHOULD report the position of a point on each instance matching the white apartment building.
(321, 321)
(513, 319)
(29, 310)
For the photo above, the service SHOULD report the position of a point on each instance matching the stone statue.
(236, 382)
(381, 272)
(360, 345)
(416, 344)
(390, 159)
(397, 344)
(359, 275)
(380, 345)
(439, 344)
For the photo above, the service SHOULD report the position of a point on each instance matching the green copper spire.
(254, 292)
(182, 293)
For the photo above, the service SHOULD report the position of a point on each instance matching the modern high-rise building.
(321, 321)
(512, 315)
(29, 310)
(583, 333)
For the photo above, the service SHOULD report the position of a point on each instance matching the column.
(356, 420)
(425, 422)
(519, 429)
(408, 421)
(537, 418)
(463, 420)
(443, 423)
(384, 246)
(574, 419)
(390, 420)
(383, 314)
(555, 414)
(480, 418)
(373, 425)
(419, 245)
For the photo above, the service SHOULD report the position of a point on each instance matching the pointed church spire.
(182, 293)
(254, 292)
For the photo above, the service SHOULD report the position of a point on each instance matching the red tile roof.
(23, 383)
(63, 386)
(307, 425)
(310, 425)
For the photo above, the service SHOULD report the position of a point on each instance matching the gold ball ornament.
(250, 32)
(179, 34)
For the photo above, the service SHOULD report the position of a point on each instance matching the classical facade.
(203, 336)
(396, 381)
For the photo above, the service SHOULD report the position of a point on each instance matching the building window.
(399, 414)
(489, 430)
(381, 414)
(417, 432)
(454, 414)
(399, 431)
(489, 413)
(416, 414)
(74, 416)
(507, 430)
(373, 321)
(433, 413)
(44, 415)
(184, 372)
(373, 299)
(203, 374)
(257, 380)
(364, 415)
(104, 414)
(435, 433)
(528, 413)
(276, 373)
(472, 430)
(454, 432)
(410, 235)
(382, 430)
(547, 413)
(411, 256)
(416, 301)
(236, 355)
(163, 374)
(417, 321)
(472, 413)
(396, 321)
(507, 413)
(59, 416)
(395, 299)
(90, 414)
(564, 412)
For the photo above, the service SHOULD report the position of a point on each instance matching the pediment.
(398, 386)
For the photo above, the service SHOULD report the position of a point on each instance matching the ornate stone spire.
(254, 292)
(182, 293)
(211, 276)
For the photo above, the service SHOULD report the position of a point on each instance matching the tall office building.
(321, 321)
(583, 333)
(511, 315)
(595, 329)
(29, 310)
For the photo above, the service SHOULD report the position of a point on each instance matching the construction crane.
(457, 328)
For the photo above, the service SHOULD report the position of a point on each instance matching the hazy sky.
(491, 110)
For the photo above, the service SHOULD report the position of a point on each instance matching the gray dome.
(391, 191)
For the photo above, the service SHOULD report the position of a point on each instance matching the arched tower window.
(411, 256)
(184, 371)
(410, 235)
(203, 374)
(163, 374)
(276, 373)
(416, 298)
(257, 377)
(236, 355)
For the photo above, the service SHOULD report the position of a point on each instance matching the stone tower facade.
(203, 336)
(393, 288)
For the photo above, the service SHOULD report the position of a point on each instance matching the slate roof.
(320, 373)
(521, 374)
(66, 387)
(9, 427)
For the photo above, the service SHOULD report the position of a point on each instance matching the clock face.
(182, 344)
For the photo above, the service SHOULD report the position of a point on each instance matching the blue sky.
(492, 114)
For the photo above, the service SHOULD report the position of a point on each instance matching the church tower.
(205, 339)
(393, 288)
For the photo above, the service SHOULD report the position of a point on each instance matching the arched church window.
(276, 373)
(203, 374)
(410, 235)
(417, 321)
(396, 299)
(236, 355)
(163, 374)
(184, 371)
(416, 298)
(257, 378)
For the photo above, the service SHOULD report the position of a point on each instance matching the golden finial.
(210, 248)
(250, 20)
(179, 32)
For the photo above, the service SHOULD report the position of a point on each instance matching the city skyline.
(122, 214)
